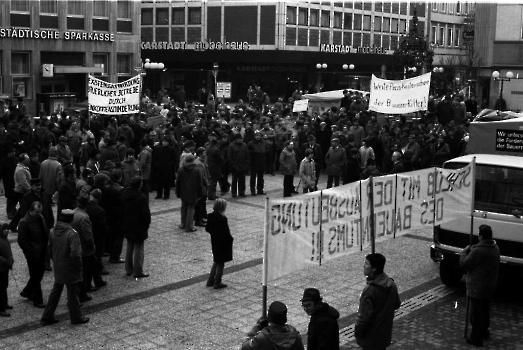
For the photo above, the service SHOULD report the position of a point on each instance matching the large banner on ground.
(109, 98)
(309, 230)
(399, 96)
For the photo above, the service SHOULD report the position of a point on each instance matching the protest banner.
(399, 96)
(300, 105)
(110, 98)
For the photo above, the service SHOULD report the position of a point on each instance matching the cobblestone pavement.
(172, 309)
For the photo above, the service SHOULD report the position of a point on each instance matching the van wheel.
(450, 273)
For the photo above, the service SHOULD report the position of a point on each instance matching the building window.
(48, 6)
(357, 22)
(314, 18)
(123, 64)
(195, 16)
(100, 60)
(443, 7)
(441, 37)
(178, 16)
(378, 7)
(403, 8)
(366, 23)
(21, 71)
(386, 24)
(147, 16)
(347, 21)
(395, 8)
(20, 5)
(456, 37)
(403, 26)
(450, 8)
(75, 7)
(162, 16)
(377, 24)
(458, 7)
(124, 9)
(449, 36)
(291, 15)
(337, 19)
(325, 19)
(302, 17)
(394, 25)
(433, 35)
(434, 6)
(100, 8)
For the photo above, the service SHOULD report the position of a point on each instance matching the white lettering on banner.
(399, 96)
(321, 226)
(111, 98)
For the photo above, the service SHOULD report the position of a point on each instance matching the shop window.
(386, 24)
(337, 19)
(195, 15)
(162, 16)
(366, 23)
(377, 24)
(48, 6)
(303, 19)
(347, 21)
(178, 16)
(22, 87)
(101, 60)
(123, 64)
(314, 19)
(325, 19)
(76, 7)
(357, 22)
(100, 8)
(394, 25)
(291, 15)
(147, 16)
(124, 9)
(20, 5)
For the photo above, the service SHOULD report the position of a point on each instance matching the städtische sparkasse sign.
(51, 34)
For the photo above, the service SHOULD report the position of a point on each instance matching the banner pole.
(320, 233)
(265, 256)
(467, 308)
(371, 218)
(434, 199)
(361, 218)
(395, 216)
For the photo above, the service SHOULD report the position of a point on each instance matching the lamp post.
(148, 65)
(509, 75)
(319, 67)
(439, 79)
(215, 70)
(350, 67)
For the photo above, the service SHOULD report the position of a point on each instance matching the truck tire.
(450, 273)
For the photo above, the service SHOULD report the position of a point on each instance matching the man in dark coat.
(189, 188)
(7, 173)
(378, 301)
(97, 216)
(258, 152)
(66, 251)
(221, 242)
(482, 264)
(444, 110)
(33, 235)
(215, 162)
(137, 219)
(164, 161)
(113, 207)
(323, 327)
(67, 194)
(239, 163)
(397, 166)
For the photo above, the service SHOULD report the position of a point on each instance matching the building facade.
(49, 47)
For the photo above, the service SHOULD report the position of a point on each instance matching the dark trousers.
(36, 273)
(114, 242)
(99, 243)
(256, 180)
(238, 182)
(288, 186)
(270, 160)
(10, 207)
(336, 179)
(225, 186)
(200, 210)
(215, 276)
(187, 215)
(145, 188)
(479, 319)
(317, 172)
(4, 283)
(212, 188)
(13, 225)
(76, 163)
(90, 272)
(163, 185)
(75, 313)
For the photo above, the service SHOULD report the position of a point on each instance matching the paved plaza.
(173, 309)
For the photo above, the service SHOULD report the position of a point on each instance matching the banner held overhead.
(110, 98)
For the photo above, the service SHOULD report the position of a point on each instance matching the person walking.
(378, 301)
(482, 264)
(239, 162)
(288, 168)
(335, 160)
(189, 187)
(221, 242)
(6, 264)
(137, 219)
(33, 235)
(66, 251)
(323, 329)
(273, 332)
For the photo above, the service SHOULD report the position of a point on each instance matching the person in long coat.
(66, 251)
(289, 168)
(239, 161)
(189, 187)
(221, 242)
(7, 173)
(112, 204)
(335, 160)
(165, 162)
(215, 161)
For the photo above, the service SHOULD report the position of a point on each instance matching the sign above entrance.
(44, 34)
(206, 45)
(377, 50)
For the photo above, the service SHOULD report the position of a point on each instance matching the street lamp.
(320, 66)
(350, 67)
(509, 75)
(438, 79)
(215, 70)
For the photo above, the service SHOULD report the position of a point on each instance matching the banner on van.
(109, 98)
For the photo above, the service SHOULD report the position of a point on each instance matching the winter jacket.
(64, 153)
(82, 224)
(258, 152)
(6, 255)
(109, 153)
(323, 333)
(221, 239)
(307, 173)
(215, 161)
(137, 215)
(335, 160)
(130, 169)
(52, 175)
(378, 301)
(66, 252)
(288, 165)
(33, 236)
(275, 337)
(238, 157)
(22, 177)
(189, 183)
(145, 158)
(47, 210)
(482, 265)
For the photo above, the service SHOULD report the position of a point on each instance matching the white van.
(498, 203)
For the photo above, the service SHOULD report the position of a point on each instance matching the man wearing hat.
(323, 330)
(66, 251)
(273, 332)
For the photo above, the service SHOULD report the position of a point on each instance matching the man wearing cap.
(66, 251)
(273, 332)
(378, 301)
(33, 235)
(323, 330)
